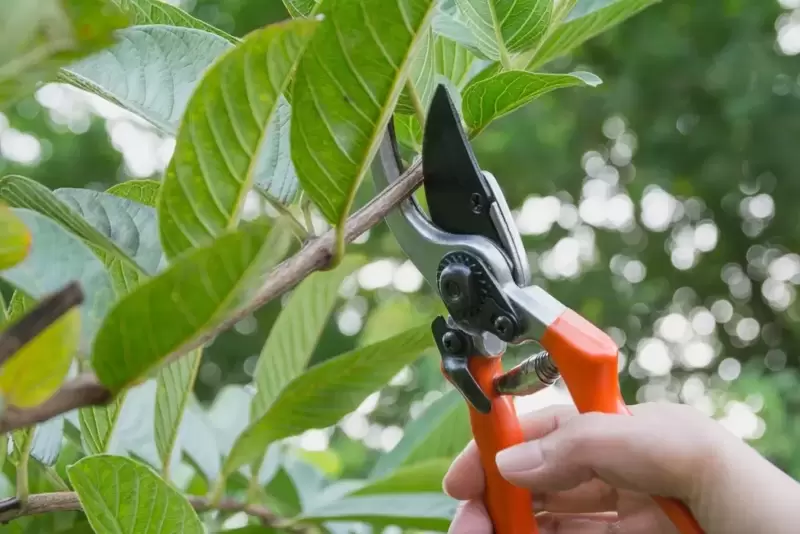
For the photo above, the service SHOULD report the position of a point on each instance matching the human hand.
(593, 474)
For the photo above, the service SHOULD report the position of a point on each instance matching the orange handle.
(588, 360)
(510, 507)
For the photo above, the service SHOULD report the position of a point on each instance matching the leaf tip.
(589, 78)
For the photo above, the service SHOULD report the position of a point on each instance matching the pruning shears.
(470, 252)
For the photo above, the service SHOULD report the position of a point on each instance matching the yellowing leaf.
(15, 239)
(31, 375)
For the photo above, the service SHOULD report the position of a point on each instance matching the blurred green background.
(661, 205)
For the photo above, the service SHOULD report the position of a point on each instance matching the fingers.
(579, 524)
(471, 518)
(640, 453)
(594, 496)
(465, 479)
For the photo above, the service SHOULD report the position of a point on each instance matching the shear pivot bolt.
(451, 342)
(503, 325)
(477, 203)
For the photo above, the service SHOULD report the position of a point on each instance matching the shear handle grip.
(588, 360)
(510, 507)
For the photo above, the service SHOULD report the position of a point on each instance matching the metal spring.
(529, 376)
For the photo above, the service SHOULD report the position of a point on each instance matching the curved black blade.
(458, 194)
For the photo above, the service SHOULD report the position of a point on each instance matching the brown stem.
(85, 390)
(67, 501)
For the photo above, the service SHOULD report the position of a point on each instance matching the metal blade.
(458, 194)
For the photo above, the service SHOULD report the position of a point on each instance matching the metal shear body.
(469, 250)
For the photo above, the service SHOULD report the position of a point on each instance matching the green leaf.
(492, 98)
(56, 259)
(409, 132)
(221, 139)
(97, 232)
(505, 27)
(198, 441)
(173, 389)
(451, 26)
(97, 425)
(37, 369)
(423, 477)
(294, 335)
(121, 495)
(190, 298)
(417, 95)
(15, 239)
(300, 8)
(131, 227)
(38, 36)
(151, 71)
(588, 19)
(275, 174)
(345, 91)
(159, 12)
(441, 431)
(327, 392)
(453, 61)
(432, 511)
(47, 439)
(141, 191)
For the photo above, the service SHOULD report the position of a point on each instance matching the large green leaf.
(505, 27)
(345, 91)
(588, 19)
(47, 439)
(418, 92)
(160, 12)
(56, 259)
(131, 227)
(300, 8)
(441, 431)
(221, 139)
(121, 495)
(173, 389)
(108, 238)
(453, 61)
(15, 239)
(275, 174)
(451, 26)
(97, 425)
(422, 477)
(431, 511)
(38, 36)
(141, 191)
(327, 392)
(151, 71)
(295, 333)
(191, 297)
(503, 93)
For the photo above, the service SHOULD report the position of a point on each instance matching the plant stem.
(86, 390)
(23, 491)
(419, 109)
(305, 205)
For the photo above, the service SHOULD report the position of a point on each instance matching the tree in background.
(656, 204)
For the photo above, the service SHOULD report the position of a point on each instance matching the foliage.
(274, 125)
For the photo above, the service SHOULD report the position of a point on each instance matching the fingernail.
(524, 457)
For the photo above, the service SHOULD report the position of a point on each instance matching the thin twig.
(46, 312)
(85, 390)
(67, 501)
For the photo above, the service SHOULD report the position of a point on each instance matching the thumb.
(650, 452)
